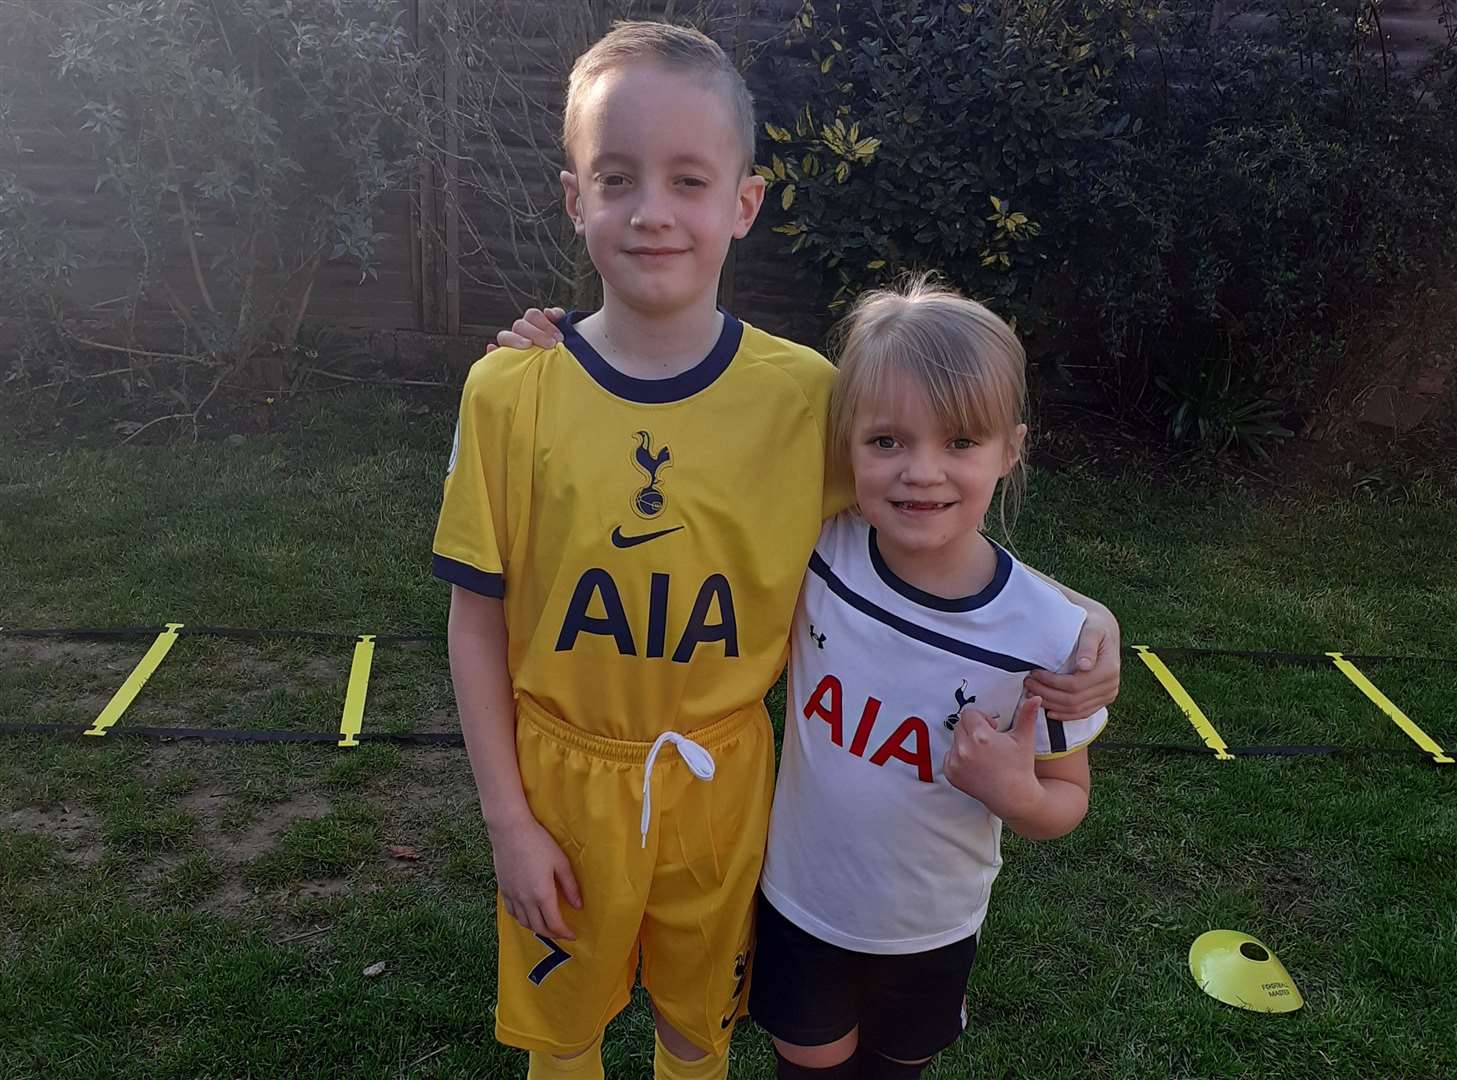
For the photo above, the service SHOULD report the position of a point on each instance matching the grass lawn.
(177, 909)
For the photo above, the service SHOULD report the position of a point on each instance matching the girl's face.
(924, 489)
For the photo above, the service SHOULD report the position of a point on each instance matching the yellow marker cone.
(353, 719)
(1184, 702)
(135, 681)
(1240, 970)
(1385, 704)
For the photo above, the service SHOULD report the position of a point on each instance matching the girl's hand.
(997, 768)
(536, 327)
(1094, 683)
(529, 867)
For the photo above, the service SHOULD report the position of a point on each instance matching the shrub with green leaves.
(35, 262)
(1180, 209)
(252, 131)
(1279, 179)
(945, 135)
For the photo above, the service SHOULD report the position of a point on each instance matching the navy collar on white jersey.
(941, 603)
(821, 569)
(654, 391)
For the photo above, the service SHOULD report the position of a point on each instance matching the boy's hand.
(996, 767)
(1094, 684)
(536, 327)
(529, 867)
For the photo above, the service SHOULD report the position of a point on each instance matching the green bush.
(252, 131)
(944, 134)
(1279, 181)
(1178, 209)
(35, 264)
(36, 259)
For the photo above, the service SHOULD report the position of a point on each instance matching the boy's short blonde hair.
(679, 48)
(968, 362)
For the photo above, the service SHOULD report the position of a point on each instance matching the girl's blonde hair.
(966, 359)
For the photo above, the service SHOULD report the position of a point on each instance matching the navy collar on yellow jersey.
(940, 603)
(654, 391)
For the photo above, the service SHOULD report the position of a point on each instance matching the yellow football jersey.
(648, 537)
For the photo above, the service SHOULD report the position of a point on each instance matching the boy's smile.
(657, 186)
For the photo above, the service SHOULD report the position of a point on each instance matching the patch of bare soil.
(69, 652)
(76, 831)
(432, 783)
(231, 848)
(429, 785)
(1386, 417)
(92, 672)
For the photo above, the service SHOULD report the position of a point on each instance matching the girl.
(908, 741)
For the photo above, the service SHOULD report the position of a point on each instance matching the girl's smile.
(926, 490)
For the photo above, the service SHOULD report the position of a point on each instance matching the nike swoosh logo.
(619, 540)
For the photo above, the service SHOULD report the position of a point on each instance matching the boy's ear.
(1014, 448)
(573, 199)
(751, 199)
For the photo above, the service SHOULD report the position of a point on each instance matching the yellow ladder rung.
(1184, 702)
(1386, 705)
(353, 719)
(123, 698)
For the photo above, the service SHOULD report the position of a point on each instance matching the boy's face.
(658, 187)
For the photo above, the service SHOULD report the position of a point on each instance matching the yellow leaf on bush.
(842, 170)
(786, 200)
(875, 264)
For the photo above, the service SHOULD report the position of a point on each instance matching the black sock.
(849, 1069)
(875, 1066)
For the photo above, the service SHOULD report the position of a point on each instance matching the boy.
(626, 521)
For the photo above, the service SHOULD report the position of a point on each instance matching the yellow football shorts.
(682, 893)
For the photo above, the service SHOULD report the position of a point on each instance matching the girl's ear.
(1014, 448)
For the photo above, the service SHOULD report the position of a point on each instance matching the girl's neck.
(952, 572)
(649, 345)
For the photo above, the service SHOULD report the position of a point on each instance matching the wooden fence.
(450, 259)
(444, 247)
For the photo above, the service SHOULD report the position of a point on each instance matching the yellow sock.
(667, 1066)
(585, 1066)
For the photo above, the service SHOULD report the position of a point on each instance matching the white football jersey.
(870, 847)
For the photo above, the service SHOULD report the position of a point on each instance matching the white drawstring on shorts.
(698, 760)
